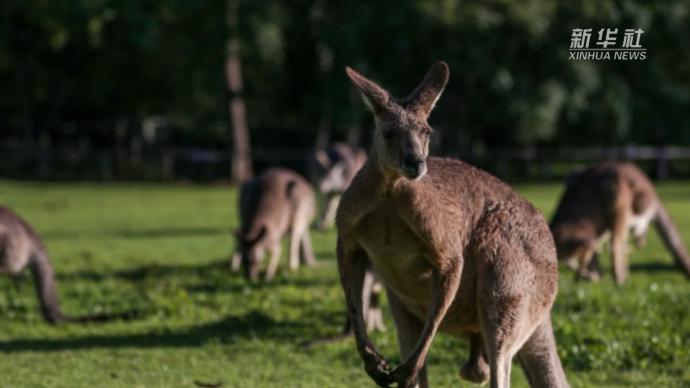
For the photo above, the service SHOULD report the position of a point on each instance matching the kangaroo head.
(334, 179)
(401, 141)
(252, 252)
(570, 241)
(327, 175)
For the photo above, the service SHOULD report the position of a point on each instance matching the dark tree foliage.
(512, 83)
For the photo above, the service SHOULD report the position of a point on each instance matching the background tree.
(69, 64)
(241, 156)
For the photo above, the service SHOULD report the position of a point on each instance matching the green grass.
(163, 250)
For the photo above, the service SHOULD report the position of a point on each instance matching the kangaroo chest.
(397, 255)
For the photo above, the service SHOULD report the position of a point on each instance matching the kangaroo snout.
(413, 167)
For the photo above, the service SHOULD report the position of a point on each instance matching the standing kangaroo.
(457, 251)
(21, 247)
(332, 171)
(607, 201)
(276, 203)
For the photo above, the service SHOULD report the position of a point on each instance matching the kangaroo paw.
(476, 372)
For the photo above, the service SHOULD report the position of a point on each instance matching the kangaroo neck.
(385, 181)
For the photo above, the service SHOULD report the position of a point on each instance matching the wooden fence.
(207, 164)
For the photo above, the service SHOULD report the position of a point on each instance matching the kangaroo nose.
(413, 167)
(412, 163)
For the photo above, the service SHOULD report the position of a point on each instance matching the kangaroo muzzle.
(413, 167)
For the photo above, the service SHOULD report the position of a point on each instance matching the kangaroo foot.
(475, 371)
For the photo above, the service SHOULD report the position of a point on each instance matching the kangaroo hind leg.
(300, 226)
(539, 358)
(408, 329)
(504, 333)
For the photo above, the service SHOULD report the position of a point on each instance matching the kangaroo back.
(266, 203)
(672, 239)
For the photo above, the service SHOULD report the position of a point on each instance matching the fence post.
(661, 158)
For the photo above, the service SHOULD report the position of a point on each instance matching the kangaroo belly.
(397, 256)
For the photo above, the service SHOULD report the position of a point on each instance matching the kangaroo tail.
(671, 236)
(343, 335)
(46, 288)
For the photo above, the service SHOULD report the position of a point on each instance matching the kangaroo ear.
(424, 98)
(375, 97)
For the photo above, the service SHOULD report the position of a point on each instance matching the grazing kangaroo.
(607, 201)
(21, 247)
(332, 171)
(274, 204)
(456, 249)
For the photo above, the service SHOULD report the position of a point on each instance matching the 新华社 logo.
(606, 45)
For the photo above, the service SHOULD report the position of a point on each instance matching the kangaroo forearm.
(352, 269)
(445, 287)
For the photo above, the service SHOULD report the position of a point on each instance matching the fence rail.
(198, 163)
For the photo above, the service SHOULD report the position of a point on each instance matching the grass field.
(163, 250)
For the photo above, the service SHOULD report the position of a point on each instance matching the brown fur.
(275, 204)
(611, 199)
(457, 250)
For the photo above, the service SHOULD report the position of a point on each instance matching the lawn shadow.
(216, 273)
(326, 255)
(173, 232)
(653, 267)
(154, 270)
(203, 231)
(226, 330)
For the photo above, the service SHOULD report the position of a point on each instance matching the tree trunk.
(237, 113)
(325, 58)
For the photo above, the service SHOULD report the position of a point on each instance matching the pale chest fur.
(396, 252)
(401, 259)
